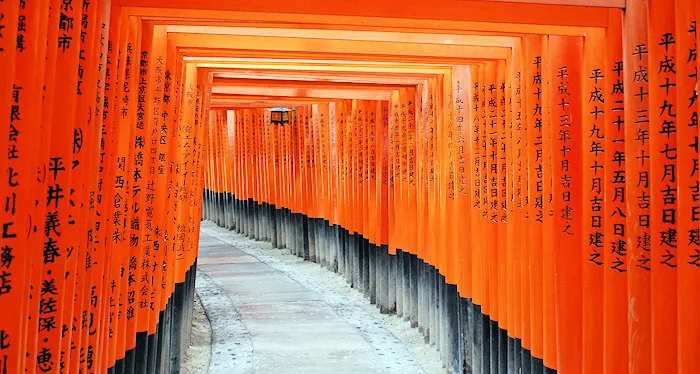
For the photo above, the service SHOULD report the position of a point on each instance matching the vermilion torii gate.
(519, 179)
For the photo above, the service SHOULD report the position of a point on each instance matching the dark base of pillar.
(162, 351)
(469, 340)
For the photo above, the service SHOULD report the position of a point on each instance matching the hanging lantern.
(279, 116)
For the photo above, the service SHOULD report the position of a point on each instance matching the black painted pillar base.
(162, 351)
(469, 340)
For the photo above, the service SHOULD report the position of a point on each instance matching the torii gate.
(535, 161)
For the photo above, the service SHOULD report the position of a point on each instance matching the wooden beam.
(302, 84)
(197, 16)
(587, 3)
(437, 10)
(308, 93)
(322, 77)
(396, 37)
(231, 101)
(323, 46)
(338, 27)
(238, 54)
(243, 66)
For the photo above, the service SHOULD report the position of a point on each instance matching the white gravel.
(198, 354)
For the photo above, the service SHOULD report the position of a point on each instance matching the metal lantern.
(279, 116)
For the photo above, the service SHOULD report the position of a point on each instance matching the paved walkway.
(269, 317)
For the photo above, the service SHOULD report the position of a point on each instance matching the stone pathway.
(268, 316)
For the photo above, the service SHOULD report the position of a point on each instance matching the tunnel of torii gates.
(518, 179)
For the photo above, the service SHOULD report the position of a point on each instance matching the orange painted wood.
(462, 86)
(409, 168)
(445, 194)
(549, 241)
(498, 181)
(458, 10)
(588, 3)
(160, 119)
(450, 149)
(490, 163)
(20, 268)
(636, 99)
(432, 252)
(479, 154)
(517, 210)
(56, 305)
(594, 215)
(361, 23)
(394, 164)
(616, 219)
(383, 167)
(85, 167)
(421, 106)
(533, 60)
(565, 77)
(663, 175)
(450, 166)
(686, 13)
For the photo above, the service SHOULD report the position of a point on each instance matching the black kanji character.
(5, 280)
(667, 40)
(64, 42)
(52, 224)
(6, 230)
(6, 257)
(639, 51)
(4, 340)
(47, 305)
(54, 194)
(618, 68)
(669, 237)
(50, 251)
(47, 324)
(669, 259)
(43, 360)
(594, 257)
(667, 65)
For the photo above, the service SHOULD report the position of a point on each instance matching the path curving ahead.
(269, 314)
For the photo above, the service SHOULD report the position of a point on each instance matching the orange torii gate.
(518, 179)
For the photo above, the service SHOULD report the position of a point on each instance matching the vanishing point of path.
(274, 313)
